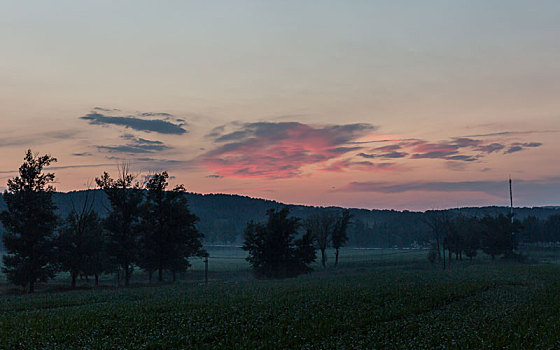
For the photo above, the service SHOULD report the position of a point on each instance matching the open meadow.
(373, 299)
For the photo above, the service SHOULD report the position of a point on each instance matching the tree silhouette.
(438, 222)
(125, 197)
(500, 235)
(469, 229)
(30, 221)
(80, 242)
(454, 240)
(339, 234)
(170, 235)
(321, 226)
(274, 252)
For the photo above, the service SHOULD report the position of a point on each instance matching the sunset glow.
(356, 104)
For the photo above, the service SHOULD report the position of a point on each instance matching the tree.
(499, 235)
(170, 236)
(125, 197)
(339, 234)
(184, 233)
(469, 229)
(154, 240)
(551, 228)
(274, 251)
(80, 242)
(321, 227)
(454, 240)
(30, 222)
(438, 222)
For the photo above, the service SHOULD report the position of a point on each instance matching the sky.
(370, 104)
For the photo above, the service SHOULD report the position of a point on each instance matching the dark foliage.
(465, 235)
(224, 217)
(274, 251)
(339, 234)
(80, 244)
(125, 197)
(169, 232)
(321, 226)
(30, 221)
(537, 230)
(439, 226)
(470, 231)
(499, 235)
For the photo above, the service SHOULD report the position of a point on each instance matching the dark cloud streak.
(136, 123)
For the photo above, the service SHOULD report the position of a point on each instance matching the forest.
(223, 218)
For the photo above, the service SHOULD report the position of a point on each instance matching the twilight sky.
(372, 104)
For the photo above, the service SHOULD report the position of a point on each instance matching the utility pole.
(510, 200)
(511, 211)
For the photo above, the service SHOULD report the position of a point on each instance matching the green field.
(374, 299)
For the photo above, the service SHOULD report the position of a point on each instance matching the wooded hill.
(223, 218)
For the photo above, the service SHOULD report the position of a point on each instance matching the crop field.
(374, 299)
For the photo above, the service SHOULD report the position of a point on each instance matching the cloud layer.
(135, 145)
(279, 150)
(462, 149)
(386, 187)
(158, 123)
(283, 149)
(496, 188)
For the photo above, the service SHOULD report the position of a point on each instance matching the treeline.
(459, 235)
(404, 229)
(536, 230)
(145, 225)
(223, 218)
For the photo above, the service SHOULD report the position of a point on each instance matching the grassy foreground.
(380, 302)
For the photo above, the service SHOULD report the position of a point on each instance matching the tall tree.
(170, 236)
(30, 222)
(274, 251)
(469, 229)
(80, 242)
(438, 222)
(125, 198)
(321, 227)
(185, 235)
(97, 261)
(500, 235)
(154, 240)
(454, 240)
(339, 234)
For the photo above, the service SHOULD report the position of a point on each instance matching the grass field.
(374, 299)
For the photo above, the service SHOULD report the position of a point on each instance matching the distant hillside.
(223, 217)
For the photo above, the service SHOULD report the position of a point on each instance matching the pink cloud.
(349, 164)
(427, 147)
(280, 150)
